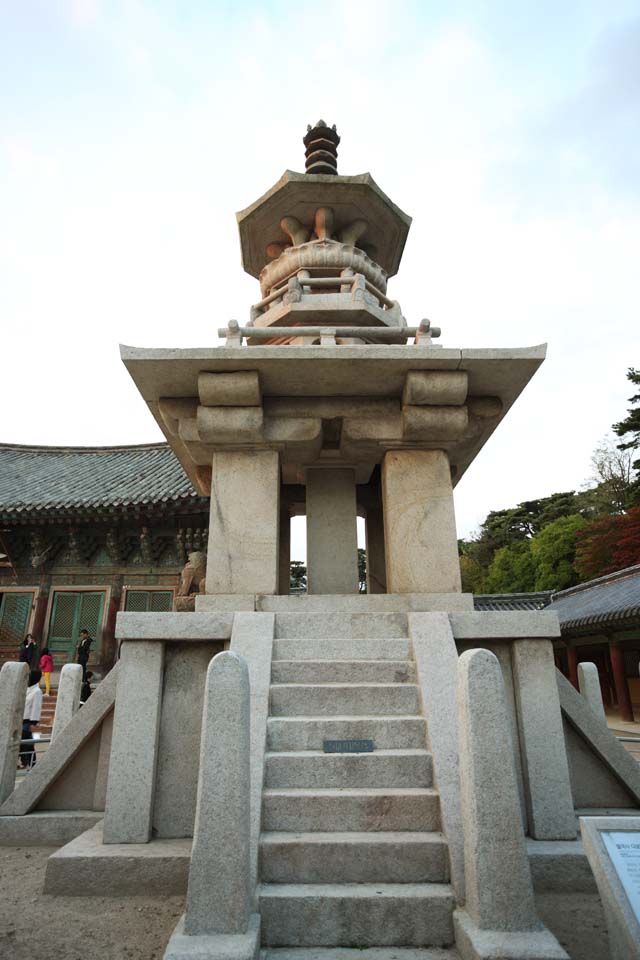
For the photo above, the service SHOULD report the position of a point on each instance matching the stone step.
(343, 671)
(312, 769)
(356, 915)
(320, 624)
(369, 953)
(336, 648)
(309, 733)
(337, 857)
(345, 699)
(370, 809)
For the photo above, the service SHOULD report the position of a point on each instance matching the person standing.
(28, 650)
(86, 690)
(30, 718)
(84, 649)
(46, 666)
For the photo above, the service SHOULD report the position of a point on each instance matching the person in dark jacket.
(86, 691)
(84, 649)
(28, 650)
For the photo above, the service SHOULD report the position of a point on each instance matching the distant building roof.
(512, 601)
(47, 481)
(610, 600)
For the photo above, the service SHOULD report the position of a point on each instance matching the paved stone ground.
(38, 927)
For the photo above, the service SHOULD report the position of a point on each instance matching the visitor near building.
(46, 667)
(31, 717)
(84, 649)
(86, 691)
(27, 650)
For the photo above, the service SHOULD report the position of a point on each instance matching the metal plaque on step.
(348, 746)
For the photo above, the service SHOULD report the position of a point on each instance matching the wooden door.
(71, 613)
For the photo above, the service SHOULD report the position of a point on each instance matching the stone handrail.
(423, 333)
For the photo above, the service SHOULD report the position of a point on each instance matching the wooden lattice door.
(15, 610)
(71, 613)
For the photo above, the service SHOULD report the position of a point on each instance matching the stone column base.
(215, 946)
(476, 944)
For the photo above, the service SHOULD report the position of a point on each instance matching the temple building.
(88, 531)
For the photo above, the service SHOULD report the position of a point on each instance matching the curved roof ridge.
(44, 448)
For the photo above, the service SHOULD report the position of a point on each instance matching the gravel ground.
(35, 926)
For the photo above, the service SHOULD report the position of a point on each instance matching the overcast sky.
(131, 133)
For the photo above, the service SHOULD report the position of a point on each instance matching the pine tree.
(630, 426)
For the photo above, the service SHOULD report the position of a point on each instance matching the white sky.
(132, 131)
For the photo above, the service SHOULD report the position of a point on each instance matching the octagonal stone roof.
(300, 194)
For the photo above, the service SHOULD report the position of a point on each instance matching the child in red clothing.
(46, 666)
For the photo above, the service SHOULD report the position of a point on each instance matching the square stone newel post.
(218, 922)
(332, 536)
(244, 523)
(419, 523)
(13, 689)
(68, 701)
(499, 917)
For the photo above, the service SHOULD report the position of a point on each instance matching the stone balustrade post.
(218, 896)
(14, 678)
(68, 697)
(589, 685)
(218, 921)
(545, 767)
(499, 917)
(134, 744)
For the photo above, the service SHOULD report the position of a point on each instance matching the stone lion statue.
(192, 581)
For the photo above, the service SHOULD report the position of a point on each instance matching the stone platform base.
(337, 603)
(242, 946)
(88, 867)
(476, 944)
(560, 866)
(46, 828)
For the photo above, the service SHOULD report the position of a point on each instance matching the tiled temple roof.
(512, 601)
(48, 481)
(611, 601)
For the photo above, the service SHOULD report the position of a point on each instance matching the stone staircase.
(351, 853)
(48, 712)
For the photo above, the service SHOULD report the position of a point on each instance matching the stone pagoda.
(327, 403)
(333, 770)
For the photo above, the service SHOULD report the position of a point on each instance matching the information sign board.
(623, 847)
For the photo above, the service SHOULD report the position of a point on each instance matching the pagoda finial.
(321, 142)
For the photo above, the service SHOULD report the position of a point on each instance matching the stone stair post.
(499, 916)
(218, 922)
(68, 699)
(13, 689)
(589, 685)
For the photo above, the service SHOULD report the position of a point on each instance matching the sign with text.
(623, 847)
(348, 746)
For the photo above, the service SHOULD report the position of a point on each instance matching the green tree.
(512, 569)
(298, 575)
(629, 429)
(554, 550)
(471, 571)
(630, 426)
(362, 570)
